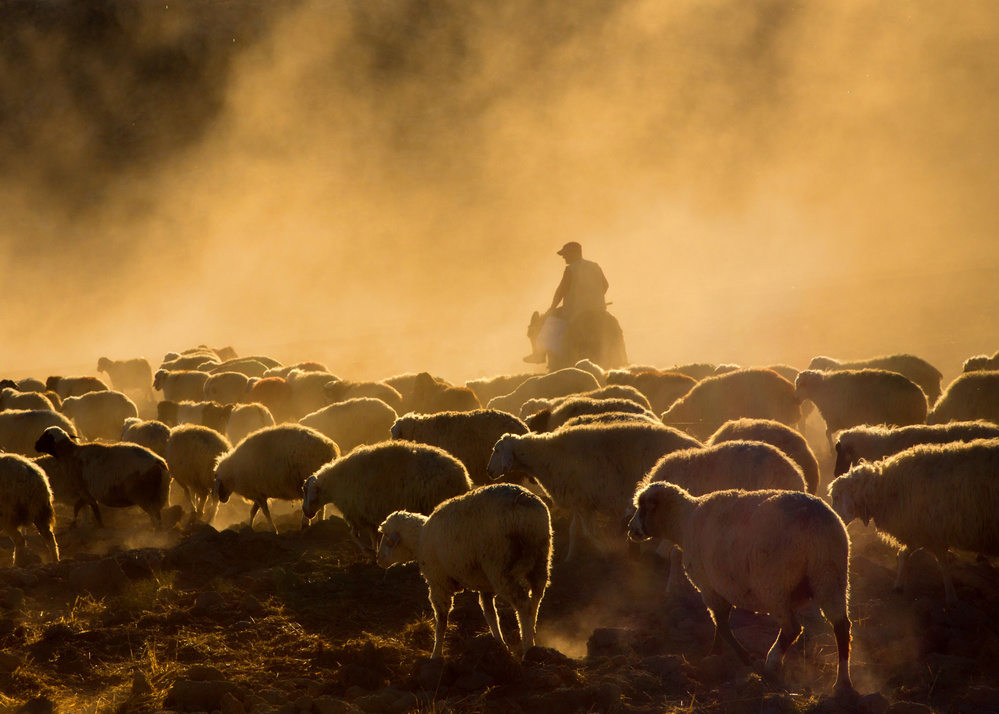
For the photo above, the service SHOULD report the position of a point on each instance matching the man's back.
(586, 288)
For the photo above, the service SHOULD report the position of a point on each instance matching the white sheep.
(11, 398)
(27, 384)
(753, 392)
(214, 416)
(100, 415)
(981, 362)
(273, 462)
(661, 388)
(747, 465)
(932, 496)
(371, 482)
(19, 430)
(495, 540)
(126, 375)
(225, 387)
(186, 385)
(432, 395)
(591, 471)
(488, 388)
(560, 383)
(788, 440)
(593, 368)
(611, 418)
(26, 499)
(851, 397)
(874, 443)
(75, 386)
(916, 369)
(197, 360)
(308, 391)
(552, 418)
(468, 436)
(114, 475)
(340, 390)
(353, 422)
(973, 395)
(772, 552)
(246, 419)
(152, 434)
(191, 454)
(249, 366)
(614, 391)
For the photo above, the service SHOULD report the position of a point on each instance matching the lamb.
(430, 396)
(354, 422)
(974, 395)
(488, 388)
(560, 383)
(152, 434)
(552, 418)
(788, 440)
(661, 388)
(114, 475)
(590, 471)
(11, 398)
(753, 392)
(225, 387)
(340, 390)
(874, 443)
(766, 551)
(373, 481)
(468, 436)
(916, 369)
(932, 496)
(26, 499)
(19, 430)
(191, 454)
(214, 416)
(495, 540)
(100, 415)
(181, 385)
(273, 462)
(129, 374)
(246, 419)
(74, 386)
(848, 398)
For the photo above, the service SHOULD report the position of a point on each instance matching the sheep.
(590, 471)
(555, 384)
(848, 397)
(788, 440)
(766, 551)
(283, 371)
(273, 462)
(246, 419)
(495, 540)
(26, 499)
(248, 366)
(593, 368)
(308, 391)
(916, 369)
(874, 443)
(19, 430)
(695, 370)
(225, 387)
(272, 392)
(974, 395)
(661, 388)
(754, 392)
(214, 416)
(611, 418)
(152, 434)
(371, 482)
(748, 465)
(181, 385)
(129, 374)
(981, 362)
(100, 415)
(198, 360)
(932, 496)
(552, 418)
(75, 386)
(27, 384)
(191, 454)
(354, 422)
(114, 475)
(468, 436)
(614, 391)
(487, 388)
(340, 390)
(11, 398)
(430, 396)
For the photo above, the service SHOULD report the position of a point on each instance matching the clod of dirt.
(99, 578)
(484, 654)
(188, 695)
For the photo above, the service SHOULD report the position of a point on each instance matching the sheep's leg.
(790, 628)
(941, 555)
(442, 608)
(487, 601)
(253, 512)
(574, 528)
(720, 610)
(44, 529)
(190, 499)
(14, 534)
(903, 558)
(267, 514)
(209, 514)
(841, 628)
(677, 575)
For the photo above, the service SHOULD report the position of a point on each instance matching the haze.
(382, 186)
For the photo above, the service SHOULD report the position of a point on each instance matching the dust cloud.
(382, 186)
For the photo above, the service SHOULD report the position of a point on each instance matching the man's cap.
(570, 247)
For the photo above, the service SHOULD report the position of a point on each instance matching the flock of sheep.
(708, 463)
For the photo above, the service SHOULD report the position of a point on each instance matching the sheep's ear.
(390, 541)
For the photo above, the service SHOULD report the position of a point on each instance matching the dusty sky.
(382, 186)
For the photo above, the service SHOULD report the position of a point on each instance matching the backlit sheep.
(274, 393)
(788, 440)
(353, 422)
(26, 499)
(916, 369)
(273, 462)
(974, 395)
(661, 388)
(771, 552)
(488, 388)
(932, 496)
(181, 385)
(152, 434)
(431, 396)
(556, 384)
(225, 387)
(75, 386)
(340, 390)
(19, 430)
(100, 415)
(981, 362)
(191, 454)
(246, 419)
(495, 540)
(552, 418)
(371, 482)
(129, 374)
(214, 416)
(11, 398)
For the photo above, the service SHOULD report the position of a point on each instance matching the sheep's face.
(654, 508)
(51, 441)
(221, 491)
(503, 459)
(844, 458)
(310, 498)
(400, 429)
(392, 550)
(841, 492)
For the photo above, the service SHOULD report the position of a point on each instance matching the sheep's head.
(402, 428)
(805, 383)
(52, 382)
(104, 365)
(392, 548)
(656, 510)
(504, 459)
(823, 363)
(539, 421)
(53, 441)
(845, 456)
(158, 379)
(846, 493)
(310, 497)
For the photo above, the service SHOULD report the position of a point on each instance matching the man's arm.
(562, 290)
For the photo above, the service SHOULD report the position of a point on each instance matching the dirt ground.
(233, 620)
